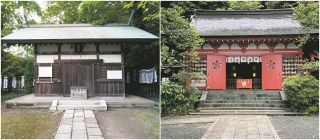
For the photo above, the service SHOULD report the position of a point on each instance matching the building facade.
(79, 55)
(248, 49)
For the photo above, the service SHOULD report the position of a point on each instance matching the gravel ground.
(129, 123)
(296, 127)
(184, 131)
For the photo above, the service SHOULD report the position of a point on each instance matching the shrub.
(176, 101)
(302, 93)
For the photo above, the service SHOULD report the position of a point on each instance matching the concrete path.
(241, 127)
(79, 124)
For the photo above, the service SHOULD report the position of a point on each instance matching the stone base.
(78, 105)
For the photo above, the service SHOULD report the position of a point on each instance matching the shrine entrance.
(243, 75)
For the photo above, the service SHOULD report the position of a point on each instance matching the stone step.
(78, 104)
(243, 108)
(243, 95)
(242, 105)
(246, 101)
(269, 92)
(244, 112)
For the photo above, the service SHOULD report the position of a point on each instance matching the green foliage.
(182, 76)
(11, 95)
(189, 6)
(312, 66)
(61, 12)
(245, 5)
(179, 39)
(146, 15)
(102, 12)
(302, 93)
(307, 13)
(28, 75)
(10, 19)
(175, 101)
(280, 4)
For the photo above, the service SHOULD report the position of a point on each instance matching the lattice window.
(291, 65)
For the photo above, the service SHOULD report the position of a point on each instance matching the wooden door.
(271, 71)
(77, 74)
(216, 72)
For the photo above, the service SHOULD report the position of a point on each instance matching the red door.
(216, 72)
(271, 71)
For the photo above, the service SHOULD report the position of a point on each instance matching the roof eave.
(35, 41)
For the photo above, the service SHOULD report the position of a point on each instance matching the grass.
(8, 96)
(24, 125)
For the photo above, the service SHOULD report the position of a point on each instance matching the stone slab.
(78, 125)
(241, 127)
(78, 119)
(94, 132)
(63, 136)
(64, 129)
(95, 137)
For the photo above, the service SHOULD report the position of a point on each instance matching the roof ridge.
(243, 12)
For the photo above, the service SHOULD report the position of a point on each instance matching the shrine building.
(71, 56)
(251, 49)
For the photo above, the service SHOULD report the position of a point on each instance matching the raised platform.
(32, 101)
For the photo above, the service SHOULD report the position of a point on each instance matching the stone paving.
(79, 124)
(241, 127)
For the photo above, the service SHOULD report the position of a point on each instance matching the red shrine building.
(248, 49)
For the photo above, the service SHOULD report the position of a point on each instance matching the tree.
(307, 13)
(245, 5)
(179, 39)
(146, 15)
(61, 12)
(102, 12)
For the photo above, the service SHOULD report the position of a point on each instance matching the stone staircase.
(242, 102)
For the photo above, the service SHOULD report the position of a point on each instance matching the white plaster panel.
(280, 45)
(235, 46)
(252, 46)
(263, 46)
(45, 71)
(46, 58)
(47, 48)
(73, 57)
(114, 74)
(224, 46)
(291, 45)
(107, 47)
(207, 46)
(111, 58)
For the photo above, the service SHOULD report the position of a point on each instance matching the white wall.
(111, 58)
(73, 57)
(46, 58)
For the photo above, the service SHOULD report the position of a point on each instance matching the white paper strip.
(230, 59)
(243, 59)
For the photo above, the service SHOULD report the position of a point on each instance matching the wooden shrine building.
(252, 49)
(79, 55)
